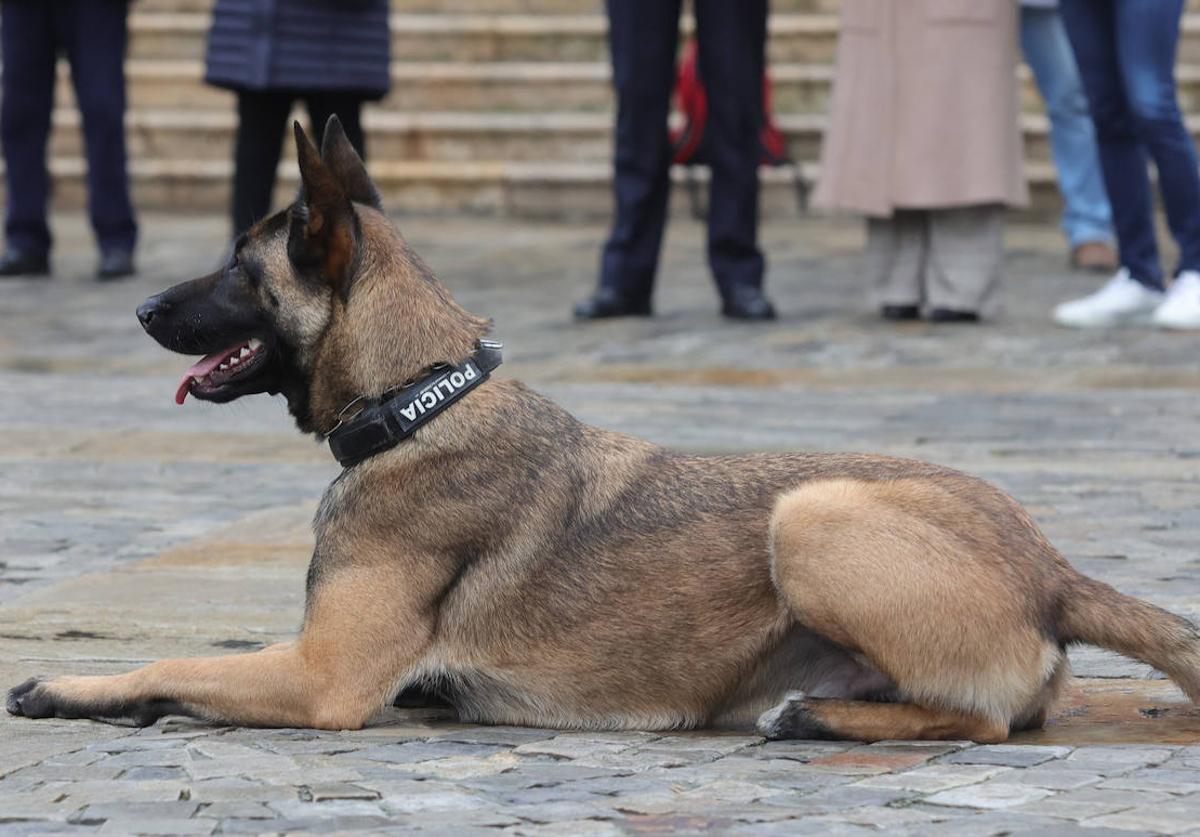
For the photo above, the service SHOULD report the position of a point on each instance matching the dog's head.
(322, 302)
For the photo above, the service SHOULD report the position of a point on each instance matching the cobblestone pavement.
(131, 529)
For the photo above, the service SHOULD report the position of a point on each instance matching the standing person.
(643, 37)
(924, 141)
(1087, 217)
(92, 34)
(332, 54)
(1126, 55)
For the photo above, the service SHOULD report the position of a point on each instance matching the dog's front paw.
(31, 700)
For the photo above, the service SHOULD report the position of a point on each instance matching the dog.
(486, 546)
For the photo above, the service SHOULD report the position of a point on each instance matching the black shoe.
(949, 315)
(115, 264)
(19, 263)
(747, 303)
(899, 313)
(606, 302)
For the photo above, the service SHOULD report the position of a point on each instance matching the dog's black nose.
(150, 309)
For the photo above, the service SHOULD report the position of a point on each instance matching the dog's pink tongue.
(198, 370)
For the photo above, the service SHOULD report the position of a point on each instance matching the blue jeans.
(1126, 55)
(1086, 214)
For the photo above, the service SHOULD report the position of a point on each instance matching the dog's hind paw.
(793, 718)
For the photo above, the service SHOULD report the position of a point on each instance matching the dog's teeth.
(245, 351)
(234, 361)
(254, 344)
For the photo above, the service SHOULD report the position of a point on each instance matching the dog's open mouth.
(209, 376)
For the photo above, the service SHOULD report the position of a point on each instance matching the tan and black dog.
(534, 570)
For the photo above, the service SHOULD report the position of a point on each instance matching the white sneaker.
(1122, 300)
(1181, 308)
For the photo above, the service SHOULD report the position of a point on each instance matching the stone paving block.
(328, 792)
(1065, 829)
(338, 825)
(570, 828)
(99, 792)
(1008, 755)
(1157, 779)
(723, 745)
(1109, 760)
(802, 751)
(936, 777)
(333, 809)
(836, 798)
(509, 736)
(26, 828)
(460, 767)
(1092, 802)
(988, 795)
(176, 810)
(236, 789)
(1052, 776)
(865, 761)
(236, 810)
(1173, 817)
(583, 749)
(550, 812)
(142, 774)
(428, 751)
(158, 825)
(989, 823)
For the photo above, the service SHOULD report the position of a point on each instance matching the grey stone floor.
(132, 529)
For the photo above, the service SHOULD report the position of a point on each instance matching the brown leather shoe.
(1094, 256)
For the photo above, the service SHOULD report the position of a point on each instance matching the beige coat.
(924, 107)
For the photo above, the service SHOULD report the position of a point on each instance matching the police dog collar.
(385, 422)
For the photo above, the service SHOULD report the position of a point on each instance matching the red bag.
(687, 142)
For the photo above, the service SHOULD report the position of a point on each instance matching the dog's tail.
(1095, 613)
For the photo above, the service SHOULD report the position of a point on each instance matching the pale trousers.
(938, 258)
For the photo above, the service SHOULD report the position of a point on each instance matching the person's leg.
(642, 41)
(29, 54)
(1147, 41)
(1091, 27)
(895, 258)
(966, 257)
(732, 40)
(262, 118)
(1087, 216)
(94, 35)
(348, 107)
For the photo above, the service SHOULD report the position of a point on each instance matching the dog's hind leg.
(361, 633)
(799, 716)
(881, 569)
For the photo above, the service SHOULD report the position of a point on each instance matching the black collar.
(385, 422)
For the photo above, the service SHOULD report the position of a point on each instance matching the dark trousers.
(643, 38)
(262, 122)
(92, 34)
(1126, 56)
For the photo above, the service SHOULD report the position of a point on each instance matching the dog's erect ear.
(339, 157)
(323, 234)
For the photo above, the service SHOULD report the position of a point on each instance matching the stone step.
(510, 6)
(516, 87)
(546, 191)
(799, 37)
(482, 37)
(445, 136)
